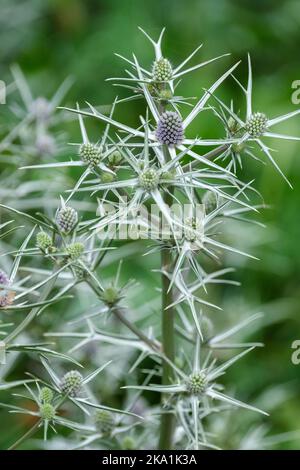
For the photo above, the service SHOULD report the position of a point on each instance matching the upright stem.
(167, 334)
(25, 436)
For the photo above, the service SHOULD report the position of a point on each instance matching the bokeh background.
(53, 39)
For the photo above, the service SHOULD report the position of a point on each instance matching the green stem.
(25, 436)
(168, 335)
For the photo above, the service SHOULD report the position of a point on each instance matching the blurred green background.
(53, 39)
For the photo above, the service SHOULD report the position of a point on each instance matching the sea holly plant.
(160, 193)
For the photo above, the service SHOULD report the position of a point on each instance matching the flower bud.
(196, 384)
(71, 383)
(66, 219)
(115, 158)
(104, 421)
(43, 241)
(162, 70)
(256, 125)
(170, 129)
(165, 95)
(110, 295)
(47, 411)
(238, 147)
(46, 395)
(128, 443)
(149, 179)
(75, 250)
(90, 154)
(107, 177)
(233, 125)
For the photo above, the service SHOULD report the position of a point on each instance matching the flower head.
(256, 125)
(107, 177)
(66, 219)
(71, 383)
(196, 383)
(162, 70)
(104, 421)
(43, 241)
(46, 395)
(170, 129)
(90, 154)
(149, 179)
(110, 295)
(47, 411)
(75, 250)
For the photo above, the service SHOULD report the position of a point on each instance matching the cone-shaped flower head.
(90, 154)
(75, 250)
(256, 125)
(196, 384)
(46, 395)
(104, 421)
(66, 219)
(162, 70)
(170, 129)
(43, 241)
(149, 179)
(47, 411)
(71, 383)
